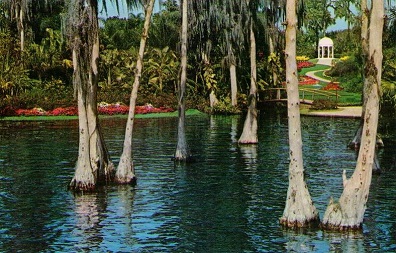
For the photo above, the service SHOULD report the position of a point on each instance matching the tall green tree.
(220, 25)
(317, 18)
(165, 28)
(299, 209)
(122, 33)
(125, 171)
(346, 9)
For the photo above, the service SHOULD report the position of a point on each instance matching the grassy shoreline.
(190, 112)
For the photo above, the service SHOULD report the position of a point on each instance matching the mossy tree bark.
(249, 133)
(125, 171)
(348, 212)
(93, 165)
(364, 35)
(182, 152)
(299, 209)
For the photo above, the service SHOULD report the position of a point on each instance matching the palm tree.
(125, 171)
(299, 209)
(165, 28)
(182, 152)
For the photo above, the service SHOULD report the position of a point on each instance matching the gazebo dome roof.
(326, 41)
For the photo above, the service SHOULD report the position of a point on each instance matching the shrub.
(348, 73)
(224, 106)
(306, 80)
(168, 100)
(324, 104)
(344, 58)
(343, 68)
(67, 111)
(304, 64)
(302, 58)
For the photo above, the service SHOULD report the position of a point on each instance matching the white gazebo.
(326, 48)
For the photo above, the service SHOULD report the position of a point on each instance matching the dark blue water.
(230, 200)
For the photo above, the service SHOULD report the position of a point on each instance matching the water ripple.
(229, 200)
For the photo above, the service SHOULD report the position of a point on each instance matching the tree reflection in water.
(104, 218)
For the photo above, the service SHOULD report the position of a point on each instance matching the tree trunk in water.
(182, 153)
(355, 143)
(348, 213)
(234, 87)
(93, 165)
(299, 210)
(249, 133)
(125, 171)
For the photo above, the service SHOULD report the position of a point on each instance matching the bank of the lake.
(190, 112)
(340, 112)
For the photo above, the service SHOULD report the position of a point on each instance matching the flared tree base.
(125, 171)
(81, 186)
(313, 222)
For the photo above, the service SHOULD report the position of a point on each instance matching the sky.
(112, 11)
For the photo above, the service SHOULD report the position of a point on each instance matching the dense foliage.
(40, 75)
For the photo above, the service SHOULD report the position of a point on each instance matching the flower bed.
(333, 86)
(306, 80)
(103, 109)
(304, 64)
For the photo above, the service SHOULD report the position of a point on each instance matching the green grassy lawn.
(322, 75)
(344, 98)
(314, 68)
(138, 116)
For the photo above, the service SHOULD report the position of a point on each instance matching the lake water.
(229, 200)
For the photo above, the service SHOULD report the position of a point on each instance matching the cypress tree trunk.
(249, 133)
(182, 152)
(93, 165)
(364, 35)
(125, 171)
(234, 88)
(348, 213)
(299, 209)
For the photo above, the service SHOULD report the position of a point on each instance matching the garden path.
(312, 74)
(348, 111)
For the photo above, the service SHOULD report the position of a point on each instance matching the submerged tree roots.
(313, 223)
